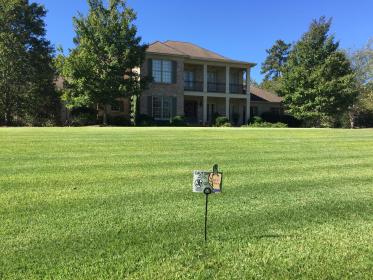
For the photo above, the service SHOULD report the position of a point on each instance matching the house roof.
(189, 50)
(259, 94)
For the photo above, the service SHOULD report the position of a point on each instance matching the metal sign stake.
(207, 191)
(207, 182)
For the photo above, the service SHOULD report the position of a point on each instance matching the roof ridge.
(218, 54)
(165, 43)
(180, 52)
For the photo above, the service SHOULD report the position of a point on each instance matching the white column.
(204, 110)
(227, 82)
(248, 95)
(227, 107)
(204, 77)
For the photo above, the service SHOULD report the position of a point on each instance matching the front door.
(190, 111)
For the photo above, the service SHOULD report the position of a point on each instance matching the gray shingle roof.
(264, 94)
(189, 50)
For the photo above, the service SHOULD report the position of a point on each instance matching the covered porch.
(204, 109)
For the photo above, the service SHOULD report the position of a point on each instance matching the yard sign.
(207, 182)
(203, 180)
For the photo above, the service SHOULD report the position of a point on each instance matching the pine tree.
(26, 73)
(276, 58)
(318, 84)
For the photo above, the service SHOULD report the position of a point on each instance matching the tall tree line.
(27, 95)
(101, 68)
(318, 80)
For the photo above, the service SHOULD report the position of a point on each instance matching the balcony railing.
(193, 85)
(215, 87)
(237, 88)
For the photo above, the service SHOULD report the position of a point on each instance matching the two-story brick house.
(199, 84)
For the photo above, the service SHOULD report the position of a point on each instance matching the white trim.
(215, 94)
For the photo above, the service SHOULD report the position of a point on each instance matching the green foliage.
(276, 59)
(287, 119)
(362, 63)
(256, 119)
(27, 94)
(104, 64)
(178, 121)
(259, 122)
(145, 120)
(221, 121)
(268, 125)
(271, 85)
(318, 84)
(119, 121)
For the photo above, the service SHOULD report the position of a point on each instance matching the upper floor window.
(162, 71)
(188, 79)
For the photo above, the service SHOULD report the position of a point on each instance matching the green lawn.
(97, 203)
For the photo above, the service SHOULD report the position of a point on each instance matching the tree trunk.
(104, 119)
(352, 119)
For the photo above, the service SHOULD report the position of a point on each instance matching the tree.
(362, 63)
(276, 58)
(318, 84)
(26, 74)
(102, 67)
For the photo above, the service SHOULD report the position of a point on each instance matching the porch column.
(248, 95)
(204, 77)
(227, 82)
(227, 107)
(204, 111)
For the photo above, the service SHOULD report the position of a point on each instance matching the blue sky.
(237, 29)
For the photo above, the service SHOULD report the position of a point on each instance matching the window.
(234, 78)
(157, 107)
(211, 77)
(163, 107)
(162, 71)
(188, 79)
(117, 107)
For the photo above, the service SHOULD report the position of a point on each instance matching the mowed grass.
(100, 203)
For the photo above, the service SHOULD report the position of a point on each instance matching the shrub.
(145, 120)
(364, 119)
(178, 121)
(215, 115)
(83, 119)
(119, 121)
(268, 124)
(221, 121)
(227, 124)
(83, 116)
(256, 119)
(288, 119)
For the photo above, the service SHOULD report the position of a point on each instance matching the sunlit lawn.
(117, 203)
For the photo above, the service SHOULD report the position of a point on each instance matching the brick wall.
(176, 89)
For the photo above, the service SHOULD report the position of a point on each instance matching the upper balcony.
(217, 79)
